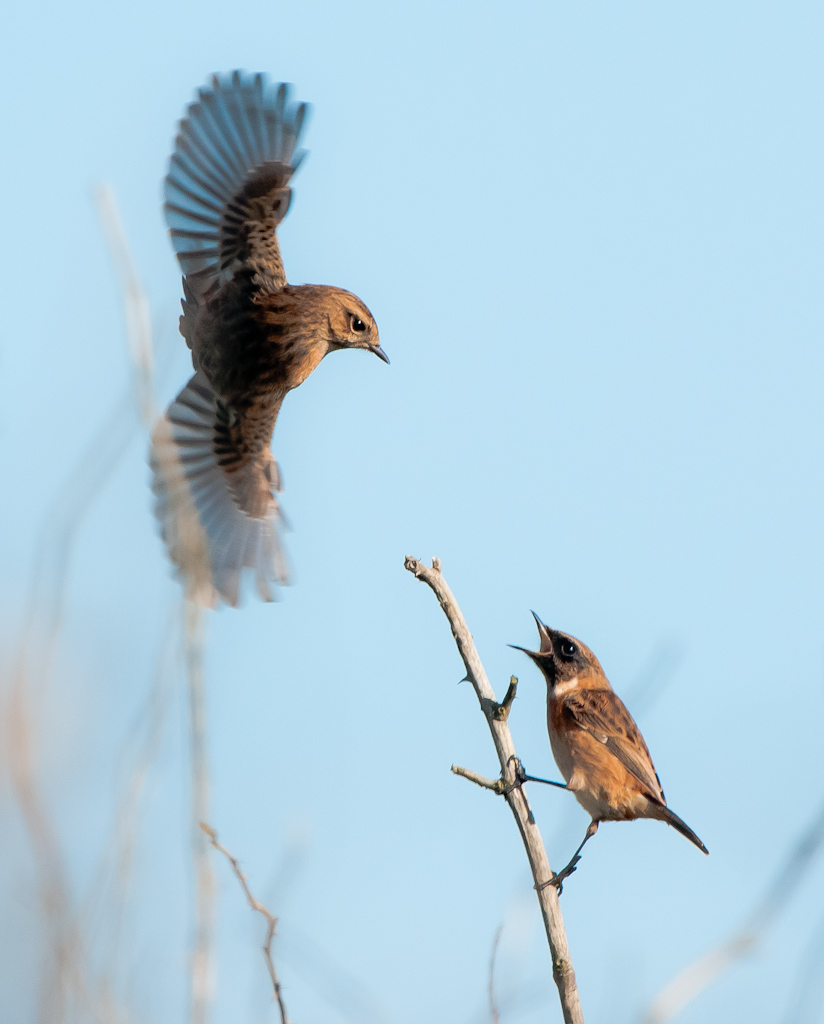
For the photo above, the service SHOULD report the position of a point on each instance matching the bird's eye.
(358, 324)
(568, 649)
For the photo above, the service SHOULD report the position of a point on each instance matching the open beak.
(535, 655)
(546, 639)
(379, 352)
(546, 644)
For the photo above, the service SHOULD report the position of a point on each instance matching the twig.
(342, 991)
(496, 785)
(271, 920)
(494, 1012)
(510, 788)
(691, 981)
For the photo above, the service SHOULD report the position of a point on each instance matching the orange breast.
(601, 784)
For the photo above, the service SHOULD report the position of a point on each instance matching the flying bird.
(253, 336)
(596, 743)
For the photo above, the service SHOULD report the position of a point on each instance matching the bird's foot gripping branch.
(509, 785)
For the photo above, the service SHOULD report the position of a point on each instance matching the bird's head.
(563, 659)
(350, 324)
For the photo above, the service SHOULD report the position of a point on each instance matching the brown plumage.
(253, 337)
(595, 742)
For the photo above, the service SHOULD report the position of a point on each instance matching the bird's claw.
(520, 777)
(559, 877)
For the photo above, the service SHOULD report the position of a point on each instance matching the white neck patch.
(561, 688)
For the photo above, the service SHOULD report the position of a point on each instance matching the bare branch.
(692, 981)
(271, 920)
(511, 788)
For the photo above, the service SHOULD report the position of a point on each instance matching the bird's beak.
(379, 352)
(546, 638)
(537, 656)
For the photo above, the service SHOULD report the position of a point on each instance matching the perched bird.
(595, 742)
(253, 336)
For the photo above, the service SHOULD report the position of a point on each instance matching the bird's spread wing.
(228, 182)
(603, 715)
(217, 507)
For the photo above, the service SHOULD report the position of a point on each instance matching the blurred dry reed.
(64, 988)
(195, 568)
(67, 988)
(494, 1012)
(202, 968)
(691, 982)
(807, 992)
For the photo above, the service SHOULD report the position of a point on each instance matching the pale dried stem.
(692, 980)
(188, 534)
(138, 318)
(117, 861)
(494, 1012)
(271, 920)
(38, 641)
(204, 879)
(509, 787)
(807, 991)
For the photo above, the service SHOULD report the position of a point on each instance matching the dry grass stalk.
(63, 987)
(271, 920)
(509, 786)
(691, 982)
(188, 537)
(202, 972)
(807, 992)
(136, 305)
(494, 1012)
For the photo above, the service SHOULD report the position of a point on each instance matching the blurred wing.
(602, 714)
(217, 510)
(228, 183)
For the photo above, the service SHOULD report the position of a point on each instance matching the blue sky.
(591, 237)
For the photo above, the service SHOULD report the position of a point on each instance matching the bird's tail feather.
(681, 826)
(209, 537)
(235, 152)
